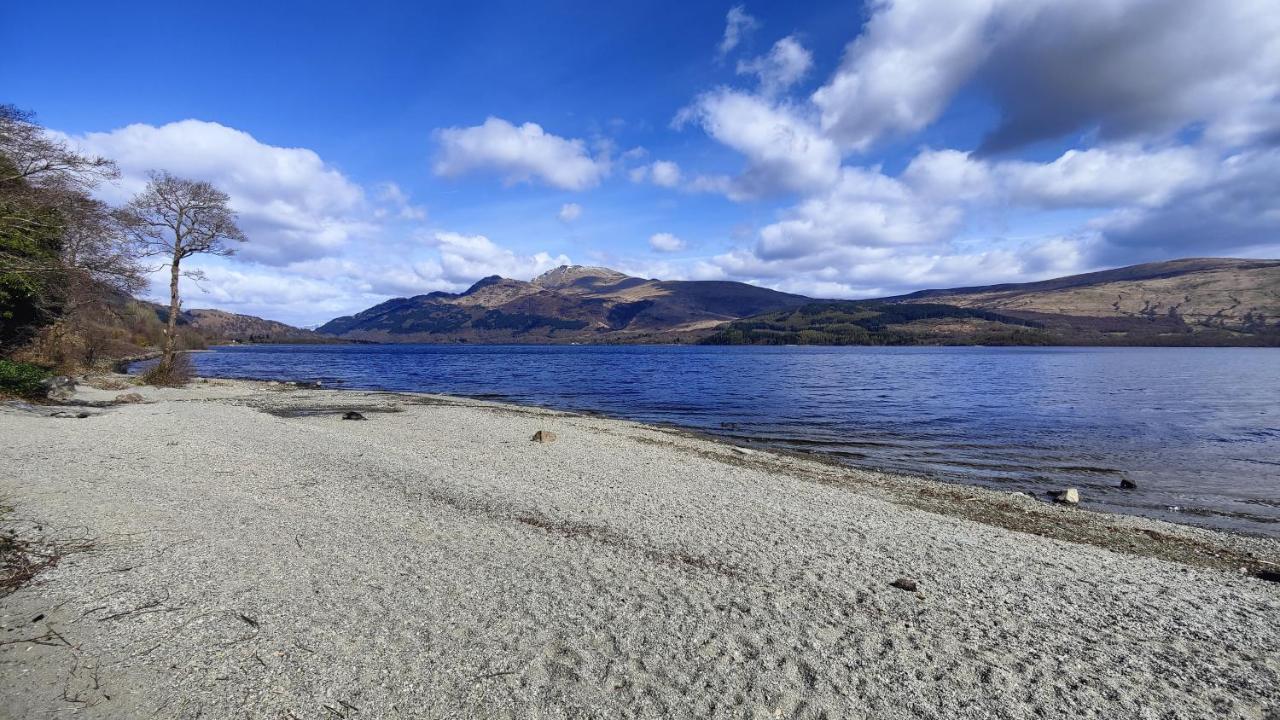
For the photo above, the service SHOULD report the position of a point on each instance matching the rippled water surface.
(1197, 429)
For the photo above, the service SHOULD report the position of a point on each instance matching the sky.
(835, 149)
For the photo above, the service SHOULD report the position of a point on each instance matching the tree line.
(67, 258)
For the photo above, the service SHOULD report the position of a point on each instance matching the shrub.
(21, 379)
(175, 374)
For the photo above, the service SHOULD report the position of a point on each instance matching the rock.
(128, 398)
(59, 387)
(1070, 496)
(1127, 484)
(744, 451)
(352, 415)
(905, 584)
(308, 385)
(544, 436)
(65, 414)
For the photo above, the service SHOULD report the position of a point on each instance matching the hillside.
(1180, 302)
(567, 304)
(1201, 293)
(220, 326)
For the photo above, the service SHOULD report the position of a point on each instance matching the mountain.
(571, 303)
(1202, 292)
(218, 327)
(1198, 301)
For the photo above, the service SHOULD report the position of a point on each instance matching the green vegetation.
(872, 323)
(21, 379)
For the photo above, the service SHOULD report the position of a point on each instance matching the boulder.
(544, 436)
(1070, 496)
(128, 398)
(1127, 484)
(352, 415)
(59, 387)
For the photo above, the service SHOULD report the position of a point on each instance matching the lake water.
(1197, 429)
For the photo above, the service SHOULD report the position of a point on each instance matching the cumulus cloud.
(663, 173)
(397, 203)
(1095, 177)
(519, 154)
(569, 212)
(898, 75)
(737, 25)
(1233, 213)
(666, 243)
(467, 258)
(784, 66)
(1124, 68)
(784, 152)
(292, 204)
(865, 209)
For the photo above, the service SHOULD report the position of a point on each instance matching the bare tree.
(175, 218)
(44, 160)
(60, 249)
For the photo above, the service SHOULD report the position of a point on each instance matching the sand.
(239, 551)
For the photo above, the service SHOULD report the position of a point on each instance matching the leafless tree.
(175, 218)
(43, 160)
(67, 248)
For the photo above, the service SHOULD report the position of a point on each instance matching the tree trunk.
(171, 334)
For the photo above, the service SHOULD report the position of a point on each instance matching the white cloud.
(1107, 177)
(666, 242)
(784, 151)
(784, 66)
(900, 72)
(737, 25)
(399, 203)
(1123, 67)
(1095, 177)
(569, 212)
(864, 209)
(663, 173)
(292, 205)
(518, 154)
(467, 258)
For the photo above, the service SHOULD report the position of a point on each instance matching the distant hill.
(1223, 293)
(221, 327)
(568, 304)
(1201, 301)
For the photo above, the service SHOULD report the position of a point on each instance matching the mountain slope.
(1222, 293)
(219, 326)
(1202, 301)
(568, 304)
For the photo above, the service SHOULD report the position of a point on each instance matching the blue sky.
(834, 149)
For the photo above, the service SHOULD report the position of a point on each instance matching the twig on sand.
(37, 640)
(491, 675)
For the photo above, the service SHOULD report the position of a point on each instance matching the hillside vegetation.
(877, 323)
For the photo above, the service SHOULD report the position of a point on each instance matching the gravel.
(241, 552)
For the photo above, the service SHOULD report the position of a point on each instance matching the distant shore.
(237, 549)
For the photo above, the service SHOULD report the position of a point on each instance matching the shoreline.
(254, 555)
(1041, 494)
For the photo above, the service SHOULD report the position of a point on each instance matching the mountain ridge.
(1213, 301)
(1191, 301)
(570, 303)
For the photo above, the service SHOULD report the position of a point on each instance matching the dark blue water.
(1197, 429)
